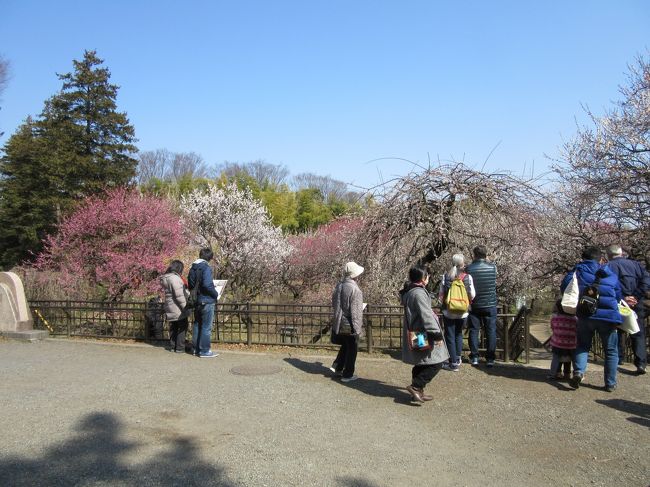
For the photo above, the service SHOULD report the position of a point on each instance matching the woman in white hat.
(347, 301)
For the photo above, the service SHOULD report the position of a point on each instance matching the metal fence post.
(369, 331)
(506, 340)
(249, 325)
(527, 331)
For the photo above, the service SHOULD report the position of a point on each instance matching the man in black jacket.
(635, 282)
(483, 310)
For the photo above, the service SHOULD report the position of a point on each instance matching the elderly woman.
(419, 317)
(174, 306)
(347, 302)
(455, 319)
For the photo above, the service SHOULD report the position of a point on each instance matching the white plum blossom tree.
(248, 249)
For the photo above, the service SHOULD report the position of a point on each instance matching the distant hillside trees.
(79, 146)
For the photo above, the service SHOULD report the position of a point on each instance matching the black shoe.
(640, 370)
(576, 380)
(611, 388)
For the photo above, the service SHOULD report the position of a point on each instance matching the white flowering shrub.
(248, 249)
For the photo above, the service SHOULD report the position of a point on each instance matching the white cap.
(352, 269)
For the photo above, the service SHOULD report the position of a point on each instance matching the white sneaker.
(333, 367)
(349, 379)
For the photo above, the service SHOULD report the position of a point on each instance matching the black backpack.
(193, 298)
(588, 300)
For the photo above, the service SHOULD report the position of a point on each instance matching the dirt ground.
(95, 414)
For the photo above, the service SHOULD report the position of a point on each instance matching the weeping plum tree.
(427, 216)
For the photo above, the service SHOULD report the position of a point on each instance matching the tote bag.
(570, 296)
(630, 324)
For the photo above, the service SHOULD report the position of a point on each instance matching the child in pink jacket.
(563, 341)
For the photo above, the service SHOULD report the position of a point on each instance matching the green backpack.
(457, 300)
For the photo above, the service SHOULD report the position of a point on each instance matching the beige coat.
(175, 295)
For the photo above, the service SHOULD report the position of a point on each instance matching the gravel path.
(95, 414)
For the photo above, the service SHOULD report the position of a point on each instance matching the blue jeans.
(609, 339)
(202, 328)
(454, 337)
(488, 318)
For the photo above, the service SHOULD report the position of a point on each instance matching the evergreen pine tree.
(79, 146)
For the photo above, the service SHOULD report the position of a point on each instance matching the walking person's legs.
(205, 331)
(350, 356)
(450, 338)
(622, 339)
(474, 324)
(609, 340)
(585, 332)
(490, 321)
(181, 330)
(339, 362)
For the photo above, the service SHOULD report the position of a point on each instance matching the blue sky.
(327, 86)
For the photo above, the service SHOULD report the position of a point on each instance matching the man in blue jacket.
(483, 310)
(604, 318)
(635, 282)
(200, 276)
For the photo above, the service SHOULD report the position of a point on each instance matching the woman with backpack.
(174, 306)
(456, 294)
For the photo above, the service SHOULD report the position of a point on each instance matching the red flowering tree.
(119, 242)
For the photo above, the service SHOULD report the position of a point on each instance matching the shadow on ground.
(371, 387)
(96, 454)
(519, 372)
(640, 410)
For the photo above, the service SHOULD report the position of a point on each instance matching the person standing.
(174, 305)
(347, 303)
(563, 341)
(592, 275)
(483, 311)
(455, 320)
(200, 277)
(635, 282)
(419, 316)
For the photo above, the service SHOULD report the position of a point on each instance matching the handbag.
(418, 341)
(570, 296)
(630, 323)
(345, 327)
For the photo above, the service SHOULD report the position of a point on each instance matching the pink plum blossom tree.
(119, 241)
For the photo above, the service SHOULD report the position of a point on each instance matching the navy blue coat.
(609, 289)
(207, 293)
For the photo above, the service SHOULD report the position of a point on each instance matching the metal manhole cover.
(255, 370)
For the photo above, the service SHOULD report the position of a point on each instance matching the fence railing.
(253, 324)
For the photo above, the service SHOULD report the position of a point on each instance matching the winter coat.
(564, 332)
(347, 303)
(201, 275)
(419, 316)
(484, 274)
(633, 279)
(445, 284)
(175, 295)
(609, 289)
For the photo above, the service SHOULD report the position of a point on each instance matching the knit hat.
(352, 269)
